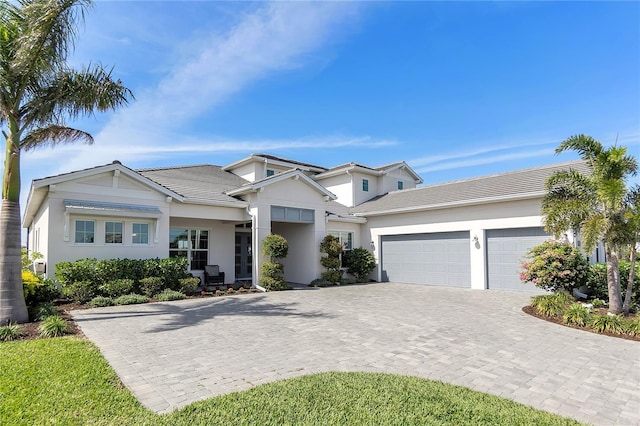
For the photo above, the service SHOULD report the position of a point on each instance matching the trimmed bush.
(101, 302)
(53, 326)
(555, 265)
(275, 246)
(10, 332)
(273, 284)
(117, 288)
(360, 262)
(131, 299)
(577, 314)
(320, 282)
(80, 291)
(151, 286)
(597, 280)
(168, 295)
(331, 250)
(189, 285)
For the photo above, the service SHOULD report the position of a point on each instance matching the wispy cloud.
(472, 160)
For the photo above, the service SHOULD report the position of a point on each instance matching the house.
(469, 233)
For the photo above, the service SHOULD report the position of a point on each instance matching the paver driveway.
(172, 354)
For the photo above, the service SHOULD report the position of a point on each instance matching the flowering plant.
(554, 265)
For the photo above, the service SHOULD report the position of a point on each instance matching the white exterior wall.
(359, 195)
(475, 219)
(341, 186)
(389, 182)
(40, 229)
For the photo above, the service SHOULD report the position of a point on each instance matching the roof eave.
(203, 202)
(352, 219)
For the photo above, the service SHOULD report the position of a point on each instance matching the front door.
(244, 259)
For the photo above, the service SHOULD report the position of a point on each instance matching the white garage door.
(505, 250)
(434, 259)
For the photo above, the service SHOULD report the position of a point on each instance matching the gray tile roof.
(286, 160)
(503, 185)
(202, 182)
(101, 205)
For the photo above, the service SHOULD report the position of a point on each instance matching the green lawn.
(67, 381)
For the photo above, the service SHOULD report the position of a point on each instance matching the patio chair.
(213, 275)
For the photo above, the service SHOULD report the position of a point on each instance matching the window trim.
(133, 234)
(114, 233)
(400, 185)
(75, 231)
(189, 247)
(365, 185)
(339, 234)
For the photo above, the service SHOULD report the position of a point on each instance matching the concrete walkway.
(172, 354)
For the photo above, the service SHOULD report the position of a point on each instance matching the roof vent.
(116, 162)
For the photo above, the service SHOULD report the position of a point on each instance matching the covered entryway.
(505, 250)
(435, 259)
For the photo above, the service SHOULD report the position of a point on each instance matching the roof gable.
(271, 180)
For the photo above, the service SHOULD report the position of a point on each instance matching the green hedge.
(597, 280)
(100, 274)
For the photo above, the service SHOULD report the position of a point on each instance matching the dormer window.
(400, 184)
(270, 172)
(365, 185)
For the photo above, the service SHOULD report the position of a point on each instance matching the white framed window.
(400, 184)
(365, 185)
(192, 244)
(346, 239)
(85, 231)
(113, 232)
(140, 233)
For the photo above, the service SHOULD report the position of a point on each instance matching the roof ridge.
(185, 166)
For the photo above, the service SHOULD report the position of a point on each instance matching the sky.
(455, 89)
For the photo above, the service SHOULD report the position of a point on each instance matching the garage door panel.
(505, 250)
(435, 259)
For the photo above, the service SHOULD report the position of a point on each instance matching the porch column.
(478, 258)
(261, 223)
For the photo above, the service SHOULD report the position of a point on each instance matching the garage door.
(505, 250)
(434, 259)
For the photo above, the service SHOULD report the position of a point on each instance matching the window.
(140, 233)
(192, 244)
(113, 232)
(270, 172)
(85, 230)
(365, 185)
(400, 184)
(292, 214)
(346, 239)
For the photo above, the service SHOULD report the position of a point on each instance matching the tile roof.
(286, 160)
(504, 185)
(201, 182)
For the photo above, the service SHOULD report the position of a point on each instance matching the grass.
(67, 381)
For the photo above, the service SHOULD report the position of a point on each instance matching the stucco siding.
(341, 186)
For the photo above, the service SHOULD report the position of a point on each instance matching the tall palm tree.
(38, 91)
(593, 204)
(632, 214)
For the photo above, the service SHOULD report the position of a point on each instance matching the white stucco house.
(469, 233)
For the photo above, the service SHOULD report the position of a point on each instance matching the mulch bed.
(559, 320)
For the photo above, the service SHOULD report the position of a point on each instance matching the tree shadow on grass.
(186, 313)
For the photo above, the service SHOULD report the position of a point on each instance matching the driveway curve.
(172, 354)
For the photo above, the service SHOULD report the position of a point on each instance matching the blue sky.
(456, 89)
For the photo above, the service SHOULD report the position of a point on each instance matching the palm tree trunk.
(632, 276)
(12, 305)
(613, 282)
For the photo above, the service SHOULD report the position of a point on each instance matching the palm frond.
(587, 147)
(592, 230)
(53, 135)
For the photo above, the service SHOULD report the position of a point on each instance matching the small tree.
(331, 249)
(555, 265)
(271, 273)
(360, 263)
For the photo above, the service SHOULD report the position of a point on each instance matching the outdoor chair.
(213, 275)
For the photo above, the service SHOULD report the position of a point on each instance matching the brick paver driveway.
(171, 354)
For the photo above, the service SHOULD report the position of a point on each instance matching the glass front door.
(244, 258)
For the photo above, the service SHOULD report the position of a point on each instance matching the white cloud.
(477, 161)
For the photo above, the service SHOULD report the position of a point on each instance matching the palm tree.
(593, 204)
(632, 214)
(38, 91)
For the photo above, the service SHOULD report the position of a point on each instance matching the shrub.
(632, 327)
(360, 262)
(47, 291)
(189, 285)
(117, 288)
(331, 249)
(101, 302)
(275, 246)
(607, 323)
(80, 291)
(320, 282)
(151, 285)
(555, 265)
(271, 276)
(168, 295)
(577, 314)
(53, 326)
(10, 332)
(131, 299)
(597, 303)
(597, 280)
(27, 260)
(42, 311)
(348, 281)
(551, 304)
(30, 282)
(273, 284)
